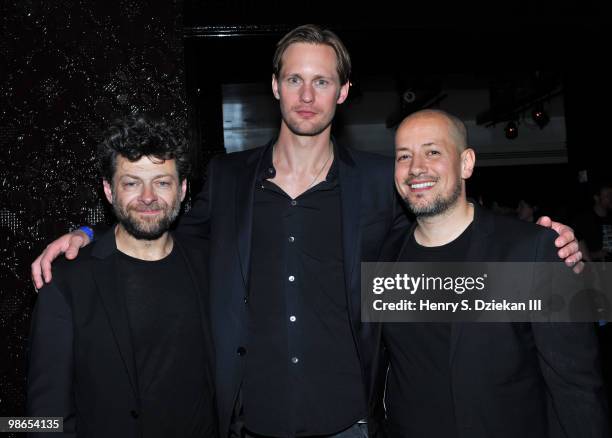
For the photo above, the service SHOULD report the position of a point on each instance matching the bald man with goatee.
(479, 380)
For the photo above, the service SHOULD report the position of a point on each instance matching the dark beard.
(139, 233)
(154, 232)
(438, 205)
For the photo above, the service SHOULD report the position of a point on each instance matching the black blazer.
(223, 213)
(82, 365)
(523, 379)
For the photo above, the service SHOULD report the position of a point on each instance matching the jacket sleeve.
(569, 359)
(196, 222)
(51, 361)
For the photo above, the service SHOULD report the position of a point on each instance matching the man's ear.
(183, 189)
(468, 161)
(108, 191)
(275, 87)
(344, 91)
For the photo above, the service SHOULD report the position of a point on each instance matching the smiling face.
(308, 88)
(146, 195)
(430, 168)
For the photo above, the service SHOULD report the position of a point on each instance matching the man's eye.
(433, 153)
(321, 83)
(163, 183)
(129, 184)
(293, 80)
(403, 157)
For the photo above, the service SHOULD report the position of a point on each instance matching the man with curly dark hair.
(120, 344)
(131, 139)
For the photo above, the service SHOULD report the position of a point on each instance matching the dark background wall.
(67, 67)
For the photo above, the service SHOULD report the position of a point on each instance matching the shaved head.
(432, 162)
(456, 128)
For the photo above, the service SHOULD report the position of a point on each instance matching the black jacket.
(223, 213)
(82, 365)
(523, 380)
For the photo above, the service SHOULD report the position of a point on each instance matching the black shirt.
(418, 395)
(302, 374)
(168, 341)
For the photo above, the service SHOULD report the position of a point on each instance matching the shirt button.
(293, 202)
(241, 351)
(292, 318)
(270, 170)
(294, 360)
(246, 299)
(291, 278)
(291, 239)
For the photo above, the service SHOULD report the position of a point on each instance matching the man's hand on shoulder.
(569, 249)
(69, 245)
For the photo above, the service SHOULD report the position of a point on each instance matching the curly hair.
(141, 135)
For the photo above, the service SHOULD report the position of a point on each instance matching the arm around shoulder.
(69, 244)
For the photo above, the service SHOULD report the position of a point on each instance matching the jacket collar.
(105, 245)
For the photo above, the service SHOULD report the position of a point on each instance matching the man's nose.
(148, 194)
(417, 166)
(307, 93)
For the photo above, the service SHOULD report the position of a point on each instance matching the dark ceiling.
(520, 49)
(412, 14)
(412, 42)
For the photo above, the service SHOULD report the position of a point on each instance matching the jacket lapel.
(350, 195)
(482, 226)
(195, 264)
(105, 276)
(245, 192)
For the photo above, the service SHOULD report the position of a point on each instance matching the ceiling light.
(511, 130)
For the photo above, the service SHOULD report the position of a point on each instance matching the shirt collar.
(267, 170)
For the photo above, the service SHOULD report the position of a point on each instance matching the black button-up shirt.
(302, 374)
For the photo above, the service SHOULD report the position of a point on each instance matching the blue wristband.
(88, 231)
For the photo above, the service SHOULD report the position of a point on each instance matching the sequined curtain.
(67, 68)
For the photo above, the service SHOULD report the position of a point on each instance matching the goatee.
(438, 206)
